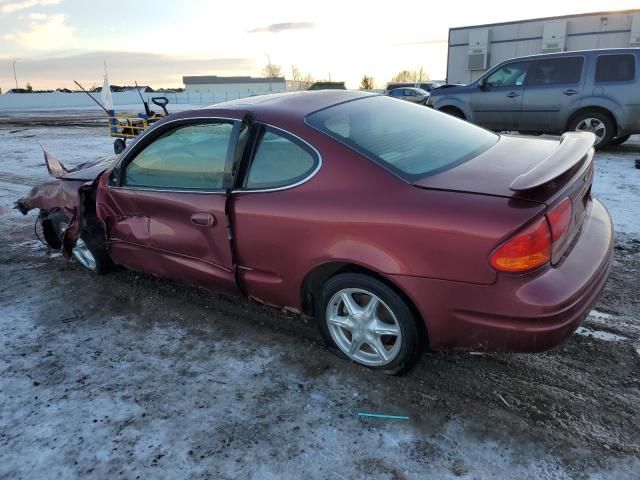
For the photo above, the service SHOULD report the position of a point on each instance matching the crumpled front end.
(71, 192)
(58, 196)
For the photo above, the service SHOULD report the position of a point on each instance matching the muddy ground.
(130, 376)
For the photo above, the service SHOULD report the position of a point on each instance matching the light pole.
(269, 68)
(14, 72)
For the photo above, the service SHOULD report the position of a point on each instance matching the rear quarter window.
(409, 140)
(279, 161)
(615, 68)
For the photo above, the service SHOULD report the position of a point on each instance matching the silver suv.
(592, 90)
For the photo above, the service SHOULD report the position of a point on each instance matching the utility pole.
(269, 68)
(14, 72)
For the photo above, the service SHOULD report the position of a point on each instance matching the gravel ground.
(130, 376)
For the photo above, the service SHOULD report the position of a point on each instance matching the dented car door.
(164, 205)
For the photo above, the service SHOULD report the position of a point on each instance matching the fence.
(59, 100)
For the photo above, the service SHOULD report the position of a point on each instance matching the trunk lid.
(540, 170)
(516, 167)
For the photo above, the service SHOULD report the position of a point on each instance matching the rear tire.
(598, 123)
(364, 320)
(619, 140)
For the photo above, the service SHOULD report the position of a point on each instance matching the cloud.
(283, 27)
(43, 32)
(37, 16)
(156, 70)
(10, 7)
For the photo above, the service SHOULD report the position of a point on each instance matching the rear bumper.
(519, 313)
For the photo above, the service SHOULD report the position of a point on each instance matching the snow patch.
(600, 335)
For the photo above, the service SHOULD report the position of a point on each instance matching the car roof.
(593, 51)
(294, 103)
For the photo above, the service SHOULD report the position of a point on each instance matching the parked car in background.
(278, 198)
(592, 90)
(410, 94)
(426, 85)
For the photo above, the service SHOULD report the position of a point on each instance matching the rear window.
(615, 68)
(410, 140)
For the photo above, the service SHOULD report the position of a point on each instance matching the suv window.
(615, 68)
(279, 161)
(397, 92)
(186, 158)
(512, 74)
(411, 142)
(557, 70)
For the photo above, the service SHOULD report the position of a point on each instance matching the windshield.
(411, 140)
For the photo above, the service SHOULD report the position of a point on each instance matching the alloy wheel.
(593, 125)
(363, 327)
(83, 255)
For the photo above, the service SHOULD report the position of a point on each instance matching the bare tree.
(296, 74)
(308, 78)
(403, 76)
(418, 75)
(271, 70)
(366, 83)
(29, 87)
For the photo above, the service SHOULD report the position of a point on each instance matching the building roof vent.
(554, 36)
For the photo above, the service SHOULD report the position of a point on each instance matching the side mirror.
(482, 84)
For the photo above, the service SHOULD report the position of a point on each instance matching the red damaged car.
(395, 226)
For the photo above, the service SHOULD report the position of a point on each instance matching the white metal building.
(474, 49)
(232, 87)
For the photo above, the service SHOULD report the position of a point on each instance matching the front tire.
(364, 320)
(454, 112)
(596, 122)
(90, 249)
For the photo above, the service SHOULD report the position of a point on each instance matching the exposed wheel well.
(315, 279)
(455, 111)
(601, 110)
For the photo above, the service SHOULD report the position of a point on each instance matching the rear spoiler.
(572, 150)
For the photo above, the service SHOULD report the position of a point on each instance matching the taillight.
(528, 249)
(559, 218)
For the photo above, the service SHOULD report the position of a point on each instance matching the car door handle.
(203, 219)
(512, 95)
(570, 92)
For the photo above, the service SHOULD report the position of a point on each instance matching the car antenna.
(92, 98)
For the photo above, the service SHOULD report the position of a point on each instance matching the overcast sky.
(157, 42)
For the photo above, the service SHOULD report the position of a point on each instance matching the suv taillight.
(528, 249)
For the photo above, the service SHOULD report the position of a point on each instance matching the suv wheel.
(619, 140)
(366, 321)
(597, 123)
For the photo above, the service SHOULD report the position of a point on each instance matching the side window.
(510, 75)
(396, 92)
(279, 161)
(615, 68)
(187, 158)
(557, 70)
